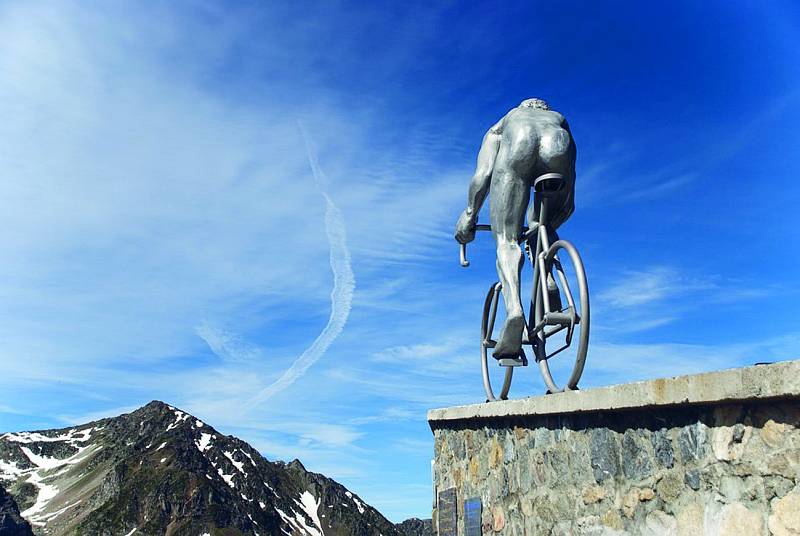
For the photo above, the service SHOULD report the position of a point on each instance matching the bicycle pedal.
(520, 361)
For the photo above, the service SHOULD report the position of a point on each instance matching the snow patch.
(249, 457)
(179, 418)
(310, 505)
(238, 465)
(45, 495)
(45, 462)
(199, 424)
(298, 522)
(358, 505)
(10, 470)
(272, 490)
(37, 437)
(131, 532)
(227, 478)
(161, 446)
(204, 443)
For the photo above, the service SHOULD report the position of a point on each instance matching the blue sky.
(164, 237)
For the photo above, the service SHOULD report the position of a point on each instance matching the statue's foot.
(509, 344)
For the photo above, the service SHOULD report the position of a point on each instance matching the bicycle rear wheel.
(576, 340)
(490, 307)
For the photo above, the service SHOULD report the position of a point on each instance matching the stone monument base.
(714, 454)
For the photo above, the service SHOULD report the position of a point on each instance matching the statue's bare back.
(529, 141)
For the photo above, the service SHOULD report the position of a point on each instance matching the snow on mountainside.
(161, 471)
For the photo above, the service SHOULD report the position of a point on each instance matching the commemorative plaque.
(472, 517)
(448, 522)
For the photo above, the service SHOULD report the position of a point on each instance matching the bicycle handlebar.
(463, 249)
(526, 233)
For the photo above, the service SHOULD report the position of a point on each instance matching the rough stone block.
(785, 517)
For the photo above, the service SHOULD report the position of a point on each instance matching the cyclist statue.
(529, 141)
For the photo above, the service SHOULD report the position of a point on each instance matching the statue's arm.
(479, 185)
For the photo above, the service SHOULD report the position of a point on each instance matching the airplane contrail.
(344, 284)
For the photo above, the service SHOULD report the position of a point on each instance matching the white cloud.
(228, 346)
(341, 296)
(654, 296)
(653, 284)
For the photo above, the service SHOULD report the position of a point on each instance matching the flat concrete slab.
(778, 381)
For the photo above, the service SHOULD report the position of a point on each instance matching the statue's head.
(539, 104)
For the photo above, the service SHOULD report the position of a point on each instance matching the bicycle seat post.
(543, 211)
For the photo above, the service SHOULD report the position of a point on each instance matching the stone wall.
(719, 467)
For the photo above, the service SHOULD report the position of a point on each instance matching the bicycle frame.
(563, 319)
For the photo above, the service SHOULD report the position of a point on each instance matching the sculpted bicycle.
(531, 148)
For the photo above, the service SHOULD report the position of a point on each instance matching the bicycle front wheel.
(568, 277)
(487, 341)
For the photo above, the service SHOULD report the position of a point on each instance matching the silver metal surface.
(528, 142)
(531, 147)
(487, 326)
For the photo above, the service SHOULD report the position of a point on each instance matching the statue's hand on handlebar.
(465, 227)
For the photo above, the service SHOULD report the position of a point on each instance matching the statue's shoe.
(509, 344)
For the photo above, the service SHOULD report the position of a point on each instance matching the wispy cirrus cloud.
(343, 287)
(652, 297)
(639, 287)
(228, 346)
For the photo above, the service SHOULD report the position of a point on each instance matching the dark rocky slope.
(416, 527)
(11, 523)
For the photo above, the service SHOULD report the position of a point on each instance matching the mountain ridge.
(160, 470)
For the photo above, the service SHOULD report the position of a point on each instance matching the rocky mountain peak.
(160, 470)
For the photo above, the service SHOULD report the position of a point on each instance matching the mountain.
(416, 527)
(160, 471)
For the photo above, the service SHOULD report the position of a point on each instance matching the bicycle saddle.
(549, 182)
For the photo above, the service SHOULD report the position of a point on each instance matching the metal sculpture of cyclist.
(531, 147)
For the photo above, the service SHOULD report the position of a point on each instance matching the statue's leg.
(509, 199)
